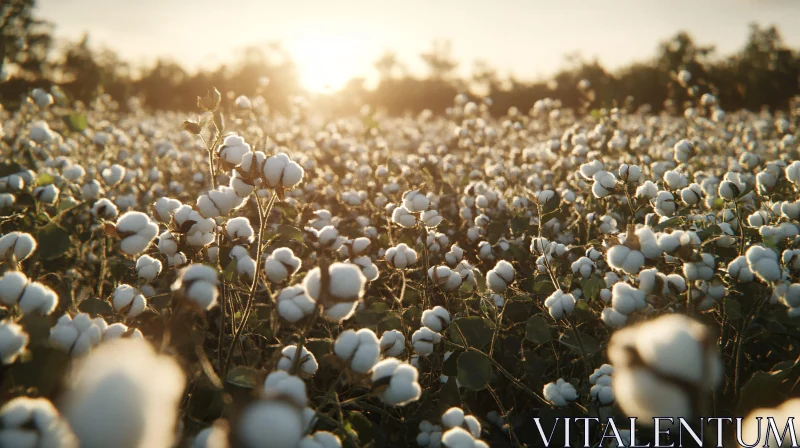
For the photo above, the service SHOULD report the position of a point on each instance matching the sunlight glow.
(326, 62)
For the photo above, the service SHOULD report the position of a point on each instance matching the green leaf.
(476, 330)
(592, 286)
(96, 307)
(244, 377)
(53, 241)
(450, 365)
(709, 232)
(230, 270)
(45, 179)
(733, 309)
(76, 122)
(448, 395)
(496, 230)
(474, 370)
(287, 232)
(537, 330)
(590, 344)
(544, 288)
(668, 224)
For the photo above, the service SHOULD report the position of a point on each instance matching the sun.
(325, 62)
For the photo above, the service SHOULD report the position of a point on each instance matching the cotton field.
(234, 277)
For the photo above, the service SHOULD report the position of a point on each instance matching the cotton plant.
(29, 296)
(358, 350)
(128, 301)
(602, 390)
(13, 342)
(339, 297)
(560, 393)
(16, 246)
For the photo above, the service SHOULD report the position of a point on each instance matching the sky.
(334, 40)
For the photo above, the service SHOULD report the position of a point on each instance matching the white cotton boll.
(392, 343)
(167, 244)
(346, 283)
(293, 304)
(281, 265)
(701, 270)
(430, 435)
(559, 304)
(431, 218)
(604, 184)
(7, 200)
(73, 173)
(359, 349)
(630, 174)
(16, 246)
(47, 194)
(320, 439)
(403, 217)
(730, 190)
(683, 150)
(198, 283)
(623, 258)
(274, 422)
(791, 210)
(37, 297)
(583, 266)
(613, 318)
(675, 180)
(560, 393)
(367, 267)
(627, 299)
(239, 230)
(395, 382)
(128, 298)
(648, 190)
(791, 296)
(692, 195)
(147, 268)
(664, 204)
(164, 207)
(13, 340)
(793, 172)
(219, 202)
(124, 394)
(791, 259)
(437, 319)
(105, 209)
(653, 360)
(587, 170)
(280, 171)
(758, 218)
(454, 256)
(214, 436)
(763, 262)
(136, 231)
(424, 340)
(708, 294)
(232, 150)
(34, 422)
(118, 330)
(307, 363)
(602, 390)
(500, 277)
(288, 387)
(739, 270)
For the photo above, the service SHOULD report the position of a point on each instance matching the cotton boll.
(147, 267)
(560, 393)
(730, 190)
(403, 217)
(37, 297)
(104, 209)
(588, 170)
(307, 363)
(113, 174)
(430, 435)
(602, 390)
(198, 283)
(164, 207)
(683, 150)
(692, 195)
(395, 382)
(219, 202)
(708, 294)
(701, 270)
(13, 340)
(281, 264)
(431, 218)
(320, 439)
(214, 436)
(630, 174)
(626, 299)
(613, 318)
(654, 360)
(367, 267)
(560, 304)
(274, 422)
(424, 340)
(128, 301)
(791, 259)
(392, 343)
(499, 278)
(675, 180)
(584, 267)
(437, 319)
(47, 194)
(758, 218)
(359, 349)
(293, 304)
(664, 204)
(648, 190)
(16, 246)
(124, 394)
(239, 230)
(280, 171)
(34, 422)
(763, 262)
(623, 258)
(345, 288)
(136, 231)
(232, 150)
(793, 172)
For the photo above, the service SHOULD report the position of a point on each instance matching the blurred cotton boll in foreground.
(124, 394)
(34, 422)
(666, 367)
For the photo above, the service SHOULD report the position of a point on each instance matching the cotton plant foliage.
(246, 275)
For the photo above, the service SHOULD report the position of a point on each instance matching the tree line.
(763, 73)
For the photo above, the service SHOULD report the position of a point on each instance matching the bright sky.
(334, 40)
